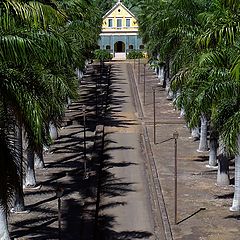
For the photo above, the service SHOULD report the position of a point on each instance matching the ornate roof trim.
(116, 6)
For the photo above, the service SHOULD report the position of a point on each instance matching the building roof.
(119, 3)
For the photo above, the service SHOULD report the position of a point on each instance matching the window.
(130, 47)
(127, 22)
(110, 23)
(119, 23)
(108, 47)
(141, 47)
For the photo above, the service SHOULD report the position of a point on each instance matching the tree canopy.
(198, 42)
(42, 43)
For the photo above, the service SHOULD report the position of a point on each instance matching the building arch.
(119, 47)
(130, 47)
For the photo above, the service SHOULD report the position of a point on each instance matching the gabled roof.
(119, 3)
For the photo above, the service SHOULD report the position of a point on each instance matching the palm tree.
(9, 176)
(33, 37)
(202, 72)
(223, 30)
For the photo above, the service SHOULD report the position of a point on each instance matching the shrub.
(102, 55)
(135, 54)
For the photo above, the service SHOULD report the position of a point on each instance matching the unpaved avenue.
(125, 198)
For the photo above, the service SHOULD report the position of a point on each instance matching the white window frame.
(128, 19)
(110, 20)
(119, 20)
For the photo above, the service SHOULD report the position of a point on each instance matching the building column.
(136, 43)
(113, 45)
(126, 45)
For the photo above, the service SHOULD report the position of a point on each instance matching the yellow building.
(120, 32)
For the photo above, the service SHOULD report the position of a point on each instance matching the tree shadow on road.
(65, 168)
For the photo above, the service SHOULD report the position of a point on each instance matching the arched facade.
(120, 32)
(119, 47)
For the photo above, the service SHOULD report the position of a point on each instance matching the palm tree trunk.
(69, 102)
(30, 179)
(4, 234)
(158, 72)
(53, 131)
(19, 204)
(167, 78)
(213, 144)
(223, 170)
(161, 75)
(203, 144)
(223, 166)
(39, 160)
(79, 74)
(182, 113)
(166, 74)
(195, 133)
(236, 199)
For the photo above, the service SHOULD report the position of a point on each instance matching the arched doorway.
(119, 47)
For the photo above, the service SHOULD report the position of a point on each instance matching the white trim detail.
(116, 6)
(119, 34)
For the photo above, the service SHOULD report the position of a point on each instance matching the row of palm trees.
(42, 45)
(197, 42)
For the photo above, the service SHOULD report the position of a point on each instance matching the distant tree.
(135, 55)
(104, 5)
(132, 5)
(102, 55)
(108, 4)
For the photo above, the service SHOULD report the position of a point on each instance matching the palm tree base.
(13, 210)
(234, 209)
(86, 176)
(37, 187)
(213, 167)
(202, 151)
(194, 138)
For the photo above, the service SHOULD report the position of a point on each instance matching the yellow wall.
(123, 14)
